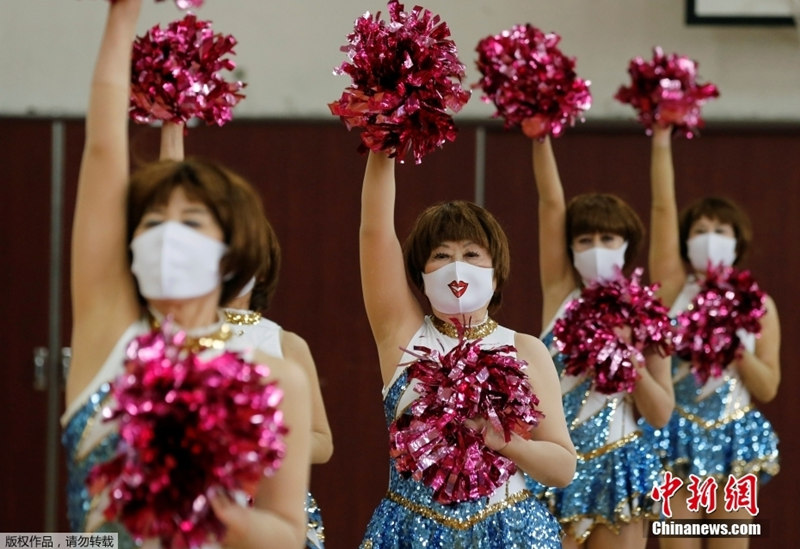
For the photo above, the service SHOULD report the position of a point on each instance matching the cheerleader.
(457, 256)
(589, 241)
(252, 330)
(177, 221)
(716, 429)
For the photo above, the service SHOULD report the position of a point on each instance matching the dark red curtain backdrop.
(309, 176)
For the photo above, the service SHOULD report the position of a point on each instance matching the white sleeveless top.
(253, 331)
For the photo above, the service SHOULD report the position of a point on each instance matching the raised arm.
(666, 265)
(296, 349)
(555, 269)
(104, 301)
(393, 312)
(171, 141)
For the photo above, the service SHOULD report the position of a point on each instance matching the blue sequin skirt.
(612, 489)
(745, 444)
(407, 519)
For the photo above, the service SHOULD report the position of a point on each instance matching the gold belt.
(597, 452)
(714, 423)
(459, 524)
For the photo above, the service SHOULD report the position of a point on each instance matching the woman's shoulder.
(535, 353)
(529, 343)
(285, 372)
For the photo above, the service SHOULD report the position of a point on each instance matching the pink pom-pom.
(431, 441)
(187, 426)
(706, 335)
(665, 91)
(405, 76)
(531, 83)
(589, 335)
(175, 74)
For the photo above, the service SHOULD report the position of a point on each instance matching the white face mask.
(711, 249)
(459, 287)
(173, 261)
(599, 264)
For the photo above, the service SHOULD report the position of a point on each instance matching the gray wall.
(287, 51)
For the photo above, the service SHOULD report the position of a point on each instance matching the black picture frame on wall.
(739, 12)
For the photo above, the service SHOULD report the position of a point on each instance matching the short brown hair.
(233, 202)
(267, 277)
(723, 210)
(455, 221)
(606, 213)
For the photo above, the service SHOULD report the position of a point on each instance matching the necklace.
(209, 341)
(470, 332)
(242, 318)
(196, 343)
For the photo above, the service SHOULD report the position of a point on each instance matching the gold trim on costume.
(242, 318)
(612, 403)
(714, 423)
(621, 518)
(459, 524)
(576, 421)
(470, 332)
(211, 341)
(619, 443)
(768, 464)
(215, 340)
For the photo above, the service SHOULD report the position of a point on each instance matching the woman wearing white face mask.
(190, 227)
(716, 430)
(591, 240)
(457, 254)
(251, 329)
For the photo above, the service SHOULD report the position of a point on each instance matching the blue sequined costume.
(251, 330)
(615, 469)
(408, 517)
(715, 430)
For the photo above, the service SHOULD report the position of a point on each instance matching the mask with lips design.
(459, 287)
